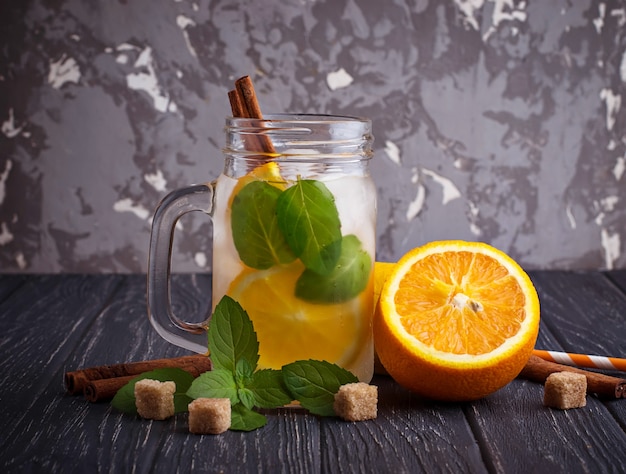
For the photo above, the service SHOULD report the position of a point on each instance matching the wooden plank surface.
(8, 284)
(409, 435)
(618, 277)
(56, 323)
(42, 322)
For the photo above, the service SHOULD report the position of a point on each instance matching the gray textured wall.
(495, 120)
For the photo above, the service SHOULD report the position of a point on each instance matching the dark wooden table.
(50, 324)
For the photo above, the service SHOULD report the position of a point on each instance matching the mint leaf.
(181, 401)
(245, 419)
(254, 224)
(314, 384)
(217, 383)
(231, 336)
(124, 399)
(309, 220)
(269, 389)
(347, 280)
(243, 374)
(246, 397)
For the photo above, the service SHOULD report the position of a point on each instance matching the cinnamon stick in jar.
(236, 105)
(245, 90)
(538, 370)
(244, 104)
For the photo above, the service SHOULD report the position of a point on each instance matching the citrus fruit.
(456, 320)
(268, 171)
(289, 328)
(382, 270)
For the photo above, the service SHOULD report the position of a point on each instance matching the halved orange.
(456, 320)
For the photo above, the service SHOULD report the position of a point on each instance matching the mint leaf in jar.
(308, 217)
(256, 234)
(349, 277)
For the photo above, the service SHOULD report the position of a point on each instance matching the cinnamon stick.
(76, 381)
(244, 103)
(236, 105)
(105, 389)
(538, 370)
(247, 94)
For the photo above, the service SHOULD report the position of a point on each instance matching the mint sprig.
(312, 383)
(234, 353)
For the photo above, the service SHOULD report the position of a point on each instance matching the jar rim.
(300, 136)
(299, 118)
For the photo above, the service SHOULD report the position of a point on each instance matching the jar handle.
(181, 333)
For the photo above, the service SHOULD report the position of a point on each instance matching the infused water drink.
(302, 307)
(294, 238)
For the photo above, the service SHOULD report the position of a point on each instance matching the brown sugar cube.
(209, 415)
(565, 390)
(356, 402)
(154, 400)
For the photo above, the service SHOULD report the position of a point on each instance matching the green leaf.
(243, 375)
(347, 280)
(254, 224)
(181, 402)
(124, 399)
(269, 389)
(245, 419)
(231, 336)
(309, 220)
(243, 372)
(314, 384)
(246, 397)
(217, 383)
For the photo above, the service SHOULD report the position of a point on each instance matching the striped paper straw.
(583, 360)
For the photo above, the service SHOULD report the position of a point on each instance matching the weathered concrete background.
(495, 120)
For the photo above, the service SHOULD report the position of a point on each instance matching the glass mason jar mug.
(294, 225)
